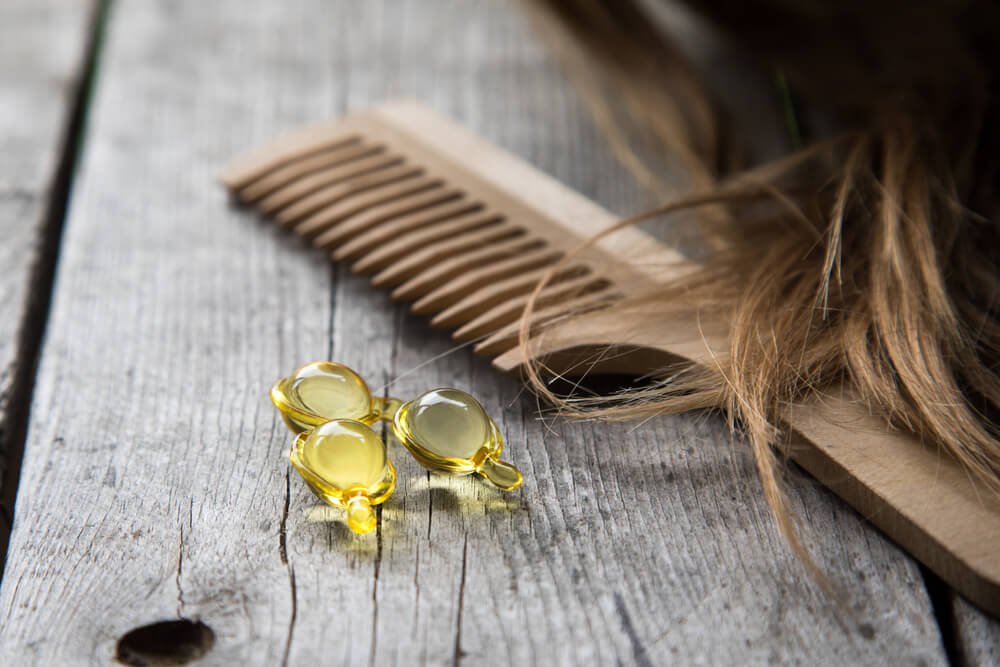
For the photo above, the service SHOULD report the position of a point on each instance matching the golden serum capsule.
(345, 463)
(321, 391)
(448, 431)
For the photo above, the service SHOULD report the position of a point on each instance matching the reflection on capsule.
(321, 391)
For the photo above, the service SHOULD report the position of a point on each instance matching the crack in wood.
(430, 504)
(180, 573)
(282, 530)
(639, 653)
(459, 653)
(292, 617)
(283, 555)
(378, 566)
(941, 606)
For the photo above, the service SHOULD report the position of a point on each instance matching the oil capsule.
(321, 391)
(345, 464)
(448, 431)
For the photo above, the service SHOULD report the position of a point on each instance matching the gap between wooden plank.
(941, 604)
(41, 276)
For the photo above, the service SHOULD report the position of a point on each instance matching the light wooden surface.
(42, 49)
(884, 474)
(154, 486)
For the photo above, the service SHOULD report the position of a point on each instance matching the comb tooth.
(278, 155)
(332, 194)
(327, 228)
(335, 213)
(481, 300)
(284, 175)
(509, 311)
(454, 290)
(376, 217)
(426, 269)
(404, 234)
(506, 337)
(425, 240)
(310, 183)
(409, 267)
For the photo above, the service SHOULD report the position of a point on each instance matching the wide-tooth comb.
(450, 222)
(465, 230)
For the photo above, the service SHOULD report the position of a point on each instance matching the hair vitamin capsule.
(448, 431)
(321, 391)
(345, 463)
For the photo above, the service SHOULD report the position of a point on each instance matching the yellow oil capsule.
(345, 463)
(321, 391)
(448, 431)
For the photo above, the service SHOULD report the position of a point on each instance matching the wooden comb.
(465, 231)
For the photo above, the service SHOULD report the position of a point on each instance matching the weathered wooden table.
(153, 486)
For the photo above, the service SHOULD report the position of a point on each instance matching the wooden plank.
(42, 55)
(976, 635)
(155, 487)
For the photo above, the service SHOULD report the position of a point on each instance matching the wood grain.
(154, 485)
(883, 473)
(976, 635)
(42, 55)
